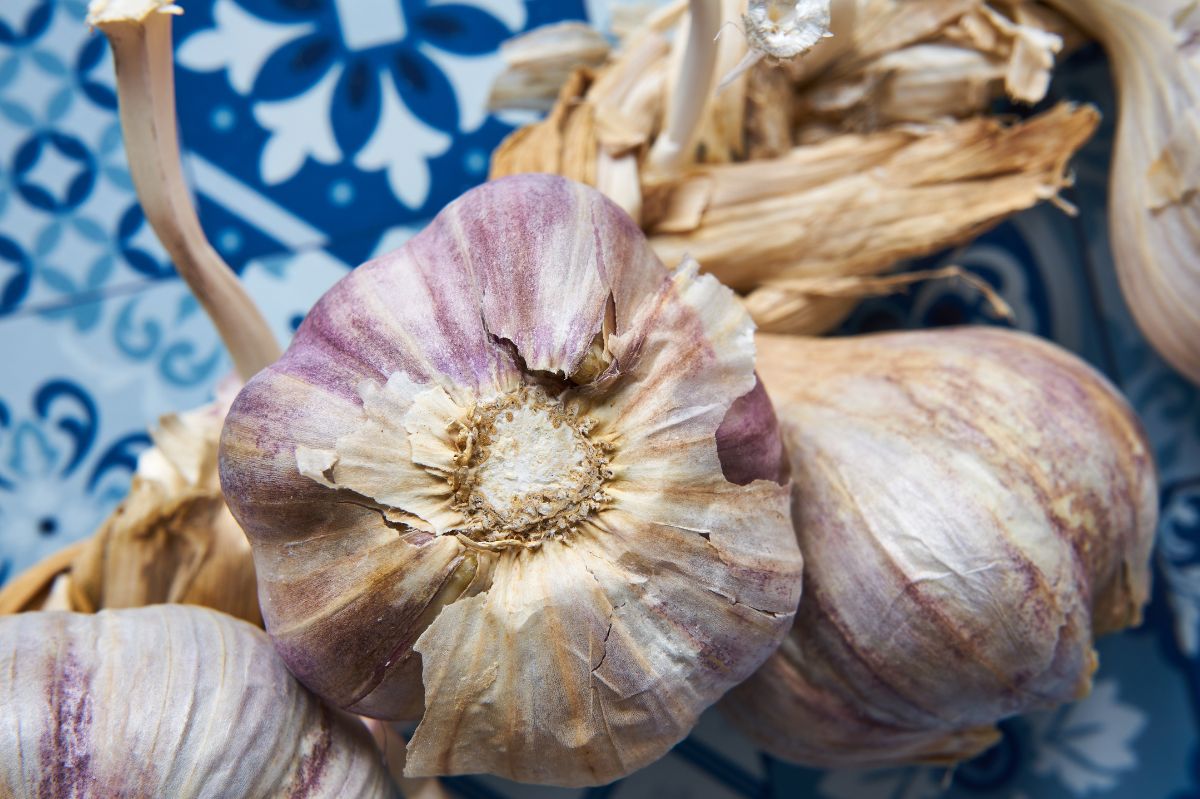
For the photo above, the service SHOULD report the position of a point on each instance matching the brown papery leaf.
(873, 148)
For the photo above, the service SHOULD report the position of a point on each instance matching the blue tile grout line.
(721, 768)
(86, 297)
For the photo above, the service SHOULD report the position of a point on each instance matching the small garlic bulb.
(167, 701)
(518, 480)
(973, 506)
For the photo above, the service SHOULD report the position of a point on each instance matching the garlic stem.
(140, 34)
(693, 87)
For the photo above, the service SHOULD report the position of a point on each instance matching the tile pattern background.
(320, 132)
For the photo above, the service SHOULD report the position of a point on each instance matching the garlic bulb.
(973, 506)
(167, 701)
(1154, 202)
(519, 476)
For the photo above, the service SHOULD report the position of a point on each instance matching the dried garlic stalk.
(869, 150)
(520, 481)
(973, 505)
(139, 32)
(214, 712)
(1154, 203)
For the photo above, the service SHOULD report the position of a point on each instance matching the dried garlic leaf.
(539, 62)
(856, 206)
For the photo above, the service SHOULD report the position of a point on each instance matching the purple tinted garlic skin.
(167, 701)
(517, 480)
(974, 505)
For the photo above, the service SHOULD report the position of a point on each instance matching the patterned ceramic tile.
(320, 132)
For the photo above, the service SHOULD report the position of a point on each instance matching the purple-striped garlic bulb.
(517, 479)
(974, 506)
(167, 700)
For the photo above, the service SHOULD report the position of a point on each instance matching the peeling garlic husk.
(519, 480)
(974, 505)
(217, 713)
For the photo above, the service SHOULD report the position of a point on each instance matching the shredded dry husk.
(871, 149)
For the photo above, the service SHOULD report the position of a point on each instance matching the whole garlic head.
(165, 701)
(973, 505)
(518, 480)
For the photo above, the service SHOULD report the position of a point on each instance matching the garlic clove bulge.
(1154, 192)
(166, 701)
(973, 505)
(518, 480)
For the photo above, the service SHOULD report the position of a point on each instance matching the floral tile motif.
(318, 133)
(56, 441)
(68, 214)
(344, 112)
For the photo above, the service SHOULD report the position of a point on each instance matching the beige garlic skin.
(167, 701)
(518, 480)
(974, 505)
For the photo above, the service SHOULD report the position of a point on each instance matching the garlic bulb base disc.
(526, 468)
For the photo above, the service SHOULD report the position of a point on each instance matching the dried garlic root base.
(218, 714)
(518, 480)
(974, 505)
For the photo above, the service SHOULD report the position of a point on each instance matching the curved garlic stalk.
(517, 479)
(973, 505)
(694, 84)
(173, 538)
(140, 34)
(167, 701)
(1154, 202)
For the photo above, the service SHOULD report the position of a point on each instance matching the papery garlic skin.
(973, 505)
(563, 618)
(167, 701)
(1154, 195)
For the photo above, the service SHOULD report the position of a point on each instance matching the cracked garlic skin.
(167, 701)
(974, 505)
(518, 480)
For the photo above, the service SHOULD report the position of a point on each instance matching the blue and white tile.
(352, 116)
